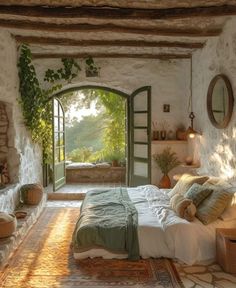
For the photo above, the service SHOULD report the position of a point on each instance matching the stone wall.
(23, 157)
(169, 81)
(96, 175)
(4, 124)
(216, 148)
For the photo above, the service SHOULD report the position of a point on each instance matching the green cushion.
(197, 193)
(213, 206)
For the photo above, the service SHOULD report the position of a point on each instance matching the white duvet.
(162, 233)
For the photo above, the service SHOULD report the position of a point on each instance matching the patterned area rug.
(45, 260)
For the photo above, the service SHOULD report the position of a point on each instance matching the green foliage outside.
(106, 136)
(166, 160)
(81, 154)
(85, 133)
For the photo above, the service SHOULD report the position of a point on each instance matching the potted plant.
(114, 157)
(166, 161)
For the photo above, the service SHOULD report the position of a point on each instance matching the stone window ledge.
(10, 244)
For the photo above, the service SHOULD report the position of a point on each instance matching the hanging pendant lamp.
(191, 133)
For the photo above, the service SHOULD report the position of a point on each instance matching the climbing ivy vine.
(34, 100)
(69, 71)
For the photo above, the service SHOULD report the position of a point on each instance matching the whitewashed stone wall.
(216, 148)
(24, 158)
(169, 81)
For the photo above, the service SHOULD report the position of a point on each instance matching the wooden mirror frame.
(230, 103)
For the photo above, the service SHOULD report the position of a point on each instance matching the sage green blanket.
(109, 220)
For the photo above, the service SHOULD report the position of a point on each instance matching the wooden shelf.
(169, 141)
(190, 166)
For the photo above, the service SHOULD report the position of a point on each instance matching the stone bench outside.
(96, 175)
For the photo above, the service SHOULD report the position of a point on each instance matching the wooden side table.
(226, 249)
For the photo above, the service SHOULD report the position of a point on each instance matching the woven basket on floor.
(8, 224)
(31, 194)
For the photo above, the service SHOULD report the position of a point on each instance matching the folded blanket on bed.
(109, 220)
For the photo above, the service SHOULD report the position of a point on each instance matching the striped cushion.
(213, 206)
(197, 193)
(185, 182)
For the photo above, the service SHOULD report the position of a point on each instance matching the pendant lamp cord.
(190, 103)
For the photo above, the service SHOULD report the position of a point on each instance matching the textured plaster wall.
(24, 158)
(169, 81)
(216, 148)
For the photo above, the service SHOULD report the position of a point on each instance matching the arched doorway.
(138, 131)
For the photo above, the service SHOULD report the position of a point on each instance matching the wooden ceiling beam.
(109, 27)
(161, 56)
(117, 13)
(115, 43)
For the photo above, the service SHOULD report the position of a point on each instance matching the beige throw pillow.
(185, 182)
(213, 206)
(183, 207)
(230, 210)
(197, 193)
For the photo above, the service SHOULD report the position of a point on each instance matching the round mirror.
(220, 101)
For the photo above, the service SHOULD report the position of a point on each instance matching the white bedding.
(162, 233)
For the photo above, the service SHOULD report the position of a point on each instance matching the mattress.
(161, 233)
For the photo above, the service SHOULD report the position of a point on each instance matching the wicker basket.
(8, 224)
(31, 194)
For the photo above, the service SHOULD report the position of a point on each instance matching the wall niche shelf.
(190, 166)
(169, 141)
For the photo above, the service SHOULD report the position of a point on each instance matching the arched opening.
(110, 129)
(137, 136)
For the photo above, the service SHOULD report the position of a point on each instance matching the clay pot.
(165, 182)
(8, 224)
(155, 135)
(163, 134)
(114, 163)
(189, 160)
(31, 193)
(181, 134)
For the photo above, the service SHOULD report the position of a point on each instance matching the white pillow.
(80, 165)
(103, 165)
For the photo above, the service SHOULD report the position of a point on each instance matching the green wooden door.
(59, 178)
(140, 137)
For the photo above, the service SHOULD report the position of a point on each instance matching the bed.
(161, 233)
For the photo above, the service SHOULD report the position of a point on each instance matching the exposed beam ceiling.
(164, 29)
(109, 27)
(160, 56)
(151, 4)
(127, 43)
(118, 13)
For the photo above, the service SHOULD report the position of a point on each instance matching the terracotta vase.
(165, 182)
(114, 163)
(163, 134)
